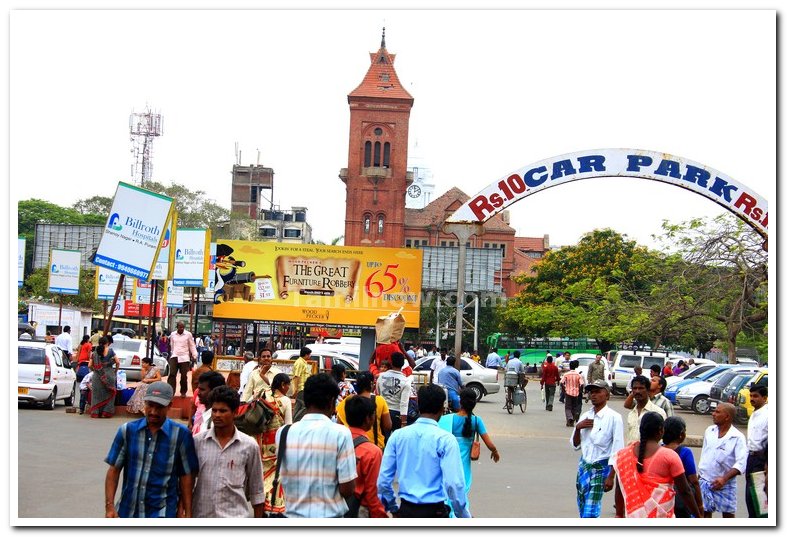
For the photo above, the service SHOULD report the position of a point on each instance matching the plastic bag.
(543, 396)
(121, 380)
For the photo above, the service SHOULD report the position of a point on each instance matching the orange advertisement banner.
(329, 285)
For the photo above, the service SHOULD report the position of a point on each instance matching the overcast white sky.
(494, 91)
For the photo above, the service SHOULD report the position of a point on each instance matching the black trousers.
(423, 510)
(184, 368)
(573, 407)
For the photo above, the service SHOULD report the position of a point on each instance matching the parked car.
(351, 351)
(482, 380)
(44, 375)
(624, 361)
(747, 361)
(132, 351)
(585, 359)
(696, 396)
(729, 382)
(671, 392)
(690, 373)
(743, 404)
(324, 358)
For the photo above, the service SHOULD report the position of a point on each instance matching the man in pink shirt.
(183, 351)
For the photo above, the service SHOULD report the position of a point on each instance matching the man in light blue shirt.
(425, 460)
(493, 359)
(449, 378)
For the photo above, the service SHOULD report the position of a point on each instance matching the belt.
(438, 504)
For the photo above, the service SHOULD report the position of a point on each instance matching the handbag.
(475, 448)
(279, 458)
(258, 416)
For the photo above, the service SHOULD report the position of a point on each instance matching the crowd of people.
(337, 447)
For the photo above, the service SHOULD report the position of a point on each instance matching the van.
(624, 361)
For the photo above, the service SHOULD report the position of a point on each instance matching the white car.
(351, 351)
(482, 380)
(690, 373)
(44, 375)
(585, 359)
(324, 358)
(131, 352)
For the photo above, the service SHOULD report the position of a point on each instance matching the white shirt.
(604, 439)
(395, 388)
(437, 365)
(64, 342)
(516, 365)
(245, 373)
(633, 418)
(86, 382)
(758, 429)
(720, 455)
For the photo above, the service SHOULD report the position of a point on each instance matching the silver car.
(131, 352)
(482, 380)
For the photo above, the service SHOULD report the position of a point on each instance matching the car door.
(59, 377)
(465, 371)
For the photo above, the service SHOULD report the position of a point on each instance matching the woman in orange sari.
(648, 474)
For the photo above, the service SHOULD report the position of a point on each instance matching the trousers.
(549, 395)
(573, 407)
(423, 510)
(184, 368)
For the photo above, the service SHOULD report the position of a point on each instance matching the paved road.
(61, 468)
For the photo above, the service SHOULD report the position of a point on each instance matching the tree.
(239, 227)
(37, 285)
(728, 256)
(591, 289)
(100, 205)
(195, 210)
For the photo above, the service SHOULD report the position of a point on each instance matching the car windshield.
(32, 355)
(425, 365)
(586, 361)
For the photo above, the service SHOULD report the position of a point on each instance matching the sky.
(494, 91)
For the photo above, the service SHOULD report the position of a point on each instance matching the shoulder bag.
(475, 448)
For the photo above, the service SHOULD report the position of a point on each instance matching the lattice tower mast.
(144, 127)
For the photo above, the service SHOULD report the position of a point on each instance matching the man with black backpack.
(364, 503)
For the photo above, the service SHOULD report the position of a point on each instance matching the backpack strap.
(358, 440)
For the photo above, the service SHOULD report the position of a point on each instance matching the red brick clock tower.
(376, 174)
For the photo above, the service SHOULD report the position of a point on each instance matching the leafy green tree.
(727, 256)
(195, 210)
(37, 284)
(100, 205)
(589, 289)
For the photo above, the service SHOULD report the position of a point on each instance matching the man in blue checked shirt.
(425, 459)
(158, 461)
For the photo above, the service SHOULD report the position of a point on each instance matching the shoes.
(569, 423)
(81, 412)
(549, 408)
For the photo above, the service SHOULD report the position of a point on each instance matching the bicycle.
(512, 381)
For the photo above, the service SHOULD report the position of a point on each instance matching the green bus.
(534, 350)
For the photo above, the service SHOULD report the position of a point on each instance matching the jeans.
(84, 395)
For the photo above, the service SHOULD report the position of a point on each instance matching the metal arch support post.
(463, 232)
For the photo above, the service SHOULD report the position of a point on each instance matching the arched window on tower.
(387, 155)
(376, 154)
(367, 154)
(380, 224)
(367, 223)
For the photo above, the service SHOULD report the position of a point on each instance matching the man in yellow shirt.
(301, 371)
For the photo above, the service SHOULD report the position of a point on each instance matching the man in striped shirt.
(158, 461)
(572, 383)
(318, 470)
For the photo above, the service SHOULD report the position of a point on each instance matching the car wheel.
(478, 390)
(618, 391)
(741, 420)
(701, 404)
(70, 399)
(49, 404)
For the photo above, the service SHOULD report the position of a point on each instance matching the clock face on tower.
(414, 191)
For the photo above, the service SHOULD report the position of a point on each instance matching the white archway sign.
(700, 179)
(703, 180)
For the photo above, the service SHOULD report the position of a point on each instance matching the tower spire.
(382, 43)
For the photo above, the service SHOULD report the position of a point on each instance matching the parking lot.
(534, 478)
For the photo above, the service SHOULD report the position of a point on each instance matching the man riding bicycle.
(515, 364)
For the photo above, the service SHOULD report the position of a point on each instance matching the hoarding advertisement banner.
(134, 231)
(316, 284)
(142, 291)
(174, 297)
(191, 258)
(163, 268)
(64, 267)
(20, 262)
(106, 283)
